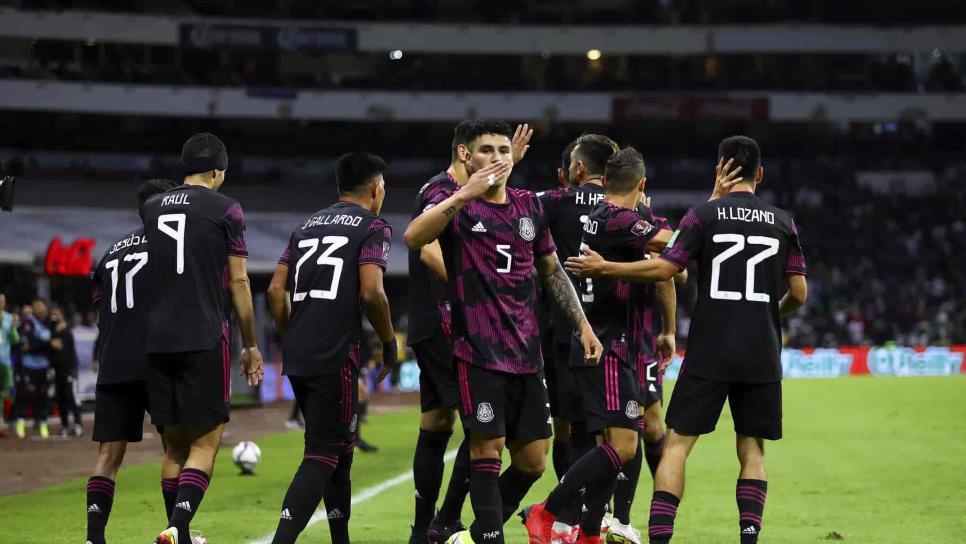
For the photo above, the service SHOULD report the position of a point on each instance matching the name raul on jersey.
(328, 219)
(748, 215)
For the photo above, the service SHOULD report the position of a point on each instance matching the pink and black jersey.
(323, 257)
(428, 299)
(745, 248)
(619, 235)
(645, 316)
(566, 210)
(119, 289)
(192, 230)
(490, 250)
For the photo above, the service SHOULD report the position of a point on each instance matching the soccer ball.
(246, 456)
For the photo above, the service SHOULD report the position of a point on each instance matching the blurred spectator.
(9, 336)
(35, 362)
(64, 362)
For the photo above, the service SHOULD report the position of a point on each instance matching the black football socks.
(594, 471)
(750, 495)
(303, 495)
(652, 452)
(169, 491)
(459, 486)
(192, 485)
(561, 457)
(428, 475)
(486, 501)
(626, 486)
(100, 498)
(660, 526)
(338, 499)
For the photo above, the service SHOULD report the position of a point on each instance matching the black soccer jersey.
(427, 293)
(643, 324)
(192, 230)
(619, 235)
(324, 255)
(119, 289)
(566, 210)
(745, 248)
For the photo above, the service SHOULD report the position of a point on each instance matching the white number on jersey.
(142, 259)
(502, 250)
(177, 233)
(325, 259)
(738, 241)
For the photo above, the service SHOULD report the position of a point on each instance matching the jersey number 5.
(738, 241)
(142, 259)
(325, 259)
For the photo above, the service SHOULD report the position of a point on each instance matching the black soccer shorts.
(562, 386)
(119, 411)
(610, 393)
(190, 389)
(651, 382)
(330, 406)
(696, 404)
(514, 406)
(437, 377)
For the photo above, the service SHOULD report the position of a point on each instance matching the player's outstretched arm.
(430, 224)
(591, 265)
(667, 299)
(279, 303)
(659, 241)
(795, 297)
(432, 256)
(376, 304)
(241, 296)
(557, 283)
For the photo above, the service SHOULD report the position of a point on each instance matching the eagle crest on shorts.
(632, 410)
(484, 412)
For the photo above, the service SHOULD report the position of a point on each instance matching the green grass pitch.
(877, 460)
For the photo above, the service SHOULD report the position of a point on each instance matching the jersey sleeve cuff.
(795, 273)
(238, 254)
(381, 264)
(673, 261)
(543, 254)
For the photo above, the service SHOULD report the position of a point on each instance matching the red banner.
(632, 108)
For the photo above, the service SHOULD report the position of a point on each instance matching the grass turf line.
(877, 460)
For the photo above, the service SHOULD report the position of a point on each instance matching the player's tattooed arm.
(557, 283)
(430, 224)
(279, 303)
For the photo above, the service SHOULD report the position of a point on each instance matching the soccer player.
(9, 337)
(751, 273)
(334, 259)
(197, 267)
(38, 342)
(610, 392)
(492, 237)
(119, 293)
(429, 336)
(566, 209)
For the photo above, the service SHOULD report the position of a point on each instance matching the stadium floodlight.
(395, 54)
(594, 54)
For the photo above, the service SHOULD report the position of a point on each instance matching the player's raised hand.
(724, 178)
(588, 265)
(390, 358)
(252, 366)
(593, 349)
(484, 178)
(520, 143)
(666, 346)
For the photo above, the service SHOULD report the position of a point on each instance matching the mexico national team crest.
(632, 411)
(484, 412)
(527, 232)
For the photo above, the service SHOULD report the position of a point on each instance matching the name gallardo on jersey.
(745, 248)
(323, 258)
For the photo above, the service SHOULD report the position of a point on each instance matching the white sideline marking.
(359, 497)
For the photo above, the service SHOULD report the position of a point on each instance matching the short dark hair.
(202, 145)
(565, 157)
(468, 131)
(355, 170)
(624, 171)
(744, 151)
(150, 188)
(593, 150)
